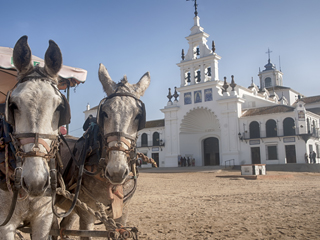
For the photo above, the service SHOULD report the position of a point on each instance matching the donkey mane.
(124, 86)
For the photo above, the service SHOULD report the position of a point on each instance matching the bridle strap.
(121, 139)
(21, 139)
(119, 135)
(119, 148)
(37, 70)
(125, 94)
(25, 141)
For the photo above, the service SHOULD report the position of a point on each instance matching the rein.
(81, 169)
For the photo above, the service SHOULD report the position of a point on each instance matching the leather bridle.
(121, 137)
(21, 139)
(95, 129)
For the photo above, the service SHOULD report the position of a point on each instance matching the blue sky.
(133, 37)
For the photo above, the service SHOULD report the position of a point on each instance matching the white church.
(217, 122)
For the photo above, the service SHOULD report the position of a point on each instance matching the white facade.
(217, 122)
(221, 123)
(151, 142)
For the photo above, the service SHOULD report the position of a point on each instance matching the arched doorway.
(211, 151)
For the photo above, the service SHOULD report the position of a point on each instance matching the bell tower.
(270, 76)
(200, 64)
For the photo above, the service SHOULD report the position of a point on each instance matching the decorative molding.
(199, 120)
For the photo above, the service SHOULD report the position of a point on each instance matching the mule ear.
(143, 84)
(22, 55)
(53, 59)
(108, 85)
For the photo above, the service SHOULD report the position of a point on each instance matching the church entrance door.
(255, 155)
(211, 151)
(155, 157)
(291, 154)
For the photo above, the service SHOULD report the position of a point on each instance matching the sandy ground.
(223, 205)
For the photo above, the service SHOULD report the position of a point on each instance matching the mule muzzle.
(36, 187)
(116, 177)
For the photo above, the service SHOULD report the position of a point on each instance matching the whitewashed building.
(218, 122)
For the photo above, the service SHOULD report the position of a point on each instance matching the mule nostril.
(125, 174)
(107, 173)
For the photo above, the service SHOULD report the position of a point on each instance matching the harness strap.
(121, 139)
(30, 75)
(35, 154)
(12, 207)
(77, 191)
(25, 141)
(117, 149)
(119, 135)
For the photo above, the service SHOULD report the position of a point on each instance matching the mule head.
(120, 115)
(34, 108)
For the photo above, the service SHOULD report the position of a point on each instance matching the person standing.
(306, 157)
(314, 156)
(310, 156)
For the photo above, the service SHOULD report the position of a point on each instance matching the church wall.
(288, 94)
(253, 101)
(171, 137)
(150, 149)
(208, 107)
(229, 131)
(190, 145)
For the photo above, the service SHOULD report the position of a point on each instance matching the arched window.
(187, 77)
(155, 139)
(254, 129)
(271, 128)
(289, 127)
(144, 140)
(208, 72)
(198, 76)
(267, 82)
(313, 127)
(308, 125)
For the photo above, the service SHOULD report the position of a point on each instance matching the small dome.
(269, 66)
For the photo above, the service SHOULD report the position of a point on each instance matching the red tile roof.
(312, 99)
(155, 123)
(267, 110)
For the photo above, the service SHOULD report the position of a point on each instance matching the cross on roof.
(269, 54)
(195, 7)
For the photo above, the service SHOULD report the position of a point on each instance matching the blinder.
(142, 122)
(65, 113)
(8, 111)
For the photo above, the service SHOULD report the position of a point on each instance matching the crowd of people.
(312, 157)
(186, 161)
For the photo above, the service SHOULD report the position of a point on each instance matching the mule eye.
(138, 116)
(60, 107)
(13, 106)
(104, 114)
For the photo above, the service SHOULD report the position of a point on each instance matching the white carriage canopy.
(69, 76)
